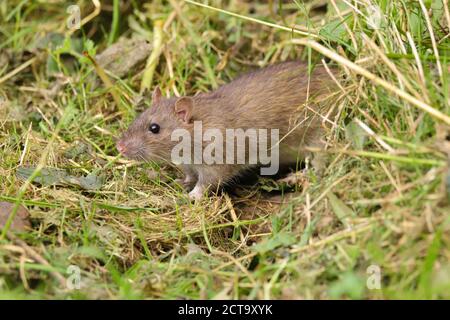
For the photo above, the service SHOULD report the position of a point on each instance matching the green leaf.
(307, 233)
(59, 177)
(427, 267)
(342, 211)
(356, 135)
(349, 285)
(280, 239)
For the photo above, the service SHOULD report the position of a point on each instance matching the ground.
(376, 225)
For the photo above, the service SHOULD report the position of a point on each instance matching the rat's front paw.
(294, 178)
(196, 194)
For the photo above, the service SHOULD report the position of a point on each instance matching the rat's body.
(270, 98)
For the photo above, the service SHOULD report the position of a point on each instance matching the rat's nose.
(121, 147)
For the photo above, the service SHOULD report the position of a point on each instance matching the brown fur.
(269, 98)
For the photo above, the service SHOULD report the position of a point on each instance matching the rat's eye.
(154, 128)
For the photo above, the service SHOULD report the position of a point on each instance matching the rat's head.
(149, 136)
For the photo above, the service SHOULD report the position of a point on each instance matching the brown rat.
(272, 98)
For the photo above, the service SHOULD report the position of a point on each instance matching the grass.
(383, 202)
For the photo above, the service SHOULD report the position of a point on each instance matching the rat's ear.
(183, 109)
(156, 96)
